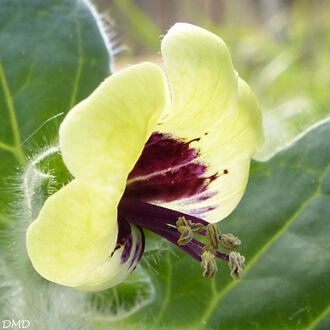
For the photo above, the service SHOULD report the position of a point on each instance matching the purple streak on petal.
(139, 248)
(206, 196)
(167, 170)
(202, 210)
(199, 198)
(124, 238)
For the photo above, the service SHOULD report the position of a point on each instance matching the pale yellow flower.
(145, 149)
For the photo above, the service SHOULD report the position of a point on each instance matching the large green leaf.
(51, 56)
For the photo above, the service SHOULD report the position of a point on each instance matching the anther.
(181, 222)
(229, 241)
(212, 235)
(196, 227)
(187, 228)
(208, 265)
(236, 265)
(186, 235)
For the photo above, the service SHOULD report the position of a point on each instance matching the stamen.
(236, 265)
(196, 227)
(187, 228)
(186, 235)
(212, 235)
(229, 241)
(208, 265)
(181, 222)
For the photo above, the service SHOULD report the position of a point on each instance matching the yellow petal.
(74, 234)
(235, 154)
(103, 136)
(114, 271)
(202, 80)
(212, 105)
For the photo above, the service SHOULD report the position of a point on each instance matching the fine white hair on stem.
(41, 126)
(108, 33)
(33, 177)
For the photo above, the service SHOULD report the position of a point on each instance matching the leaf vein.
(6, 146)
(80, 63)
(319, 318)
(17, 150)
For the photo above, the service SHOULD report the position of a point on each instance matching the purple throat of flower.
(169, 169)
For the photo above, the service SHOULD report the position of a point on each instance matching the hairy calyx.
(180, 229)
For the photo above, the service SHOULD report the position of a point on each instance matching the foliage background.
(52, 55)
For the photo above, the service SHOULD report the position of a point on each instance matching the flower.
(149, 151)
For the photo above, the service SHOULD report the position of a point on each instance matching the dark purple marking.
(163, 152)
(156, 137)
(206, 196)
(124, 238)
(139, 248)
(172, 185)
(194, 200)
(170, 171)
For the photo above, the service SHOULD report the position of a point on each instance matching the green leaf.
(283, 224)
(51, 56)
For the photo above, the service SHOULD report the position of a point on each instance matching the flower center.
(167, 170)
